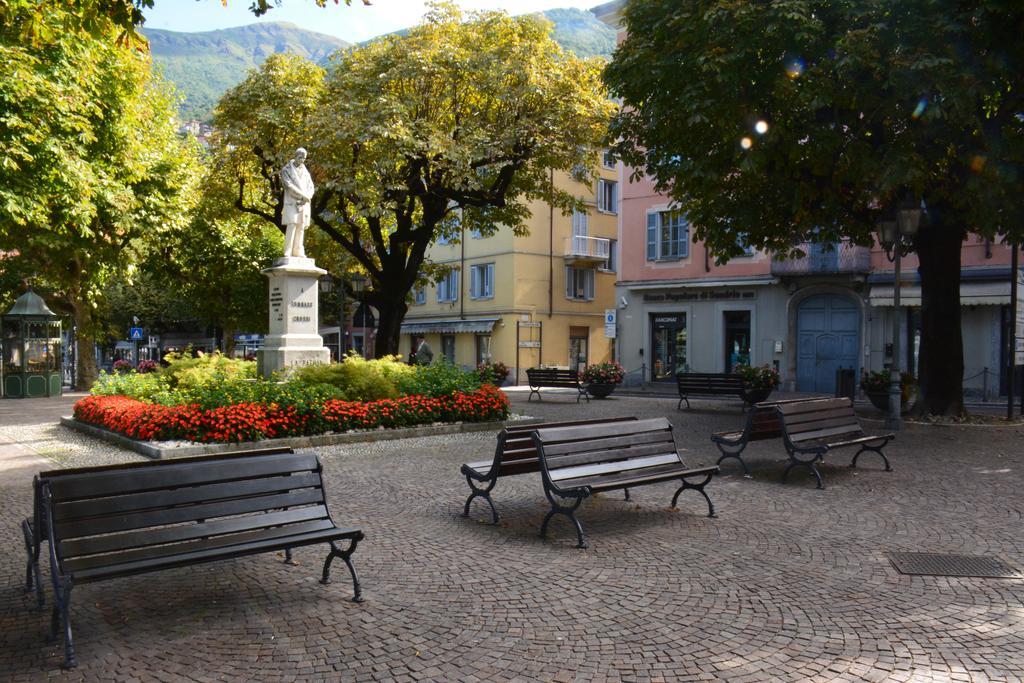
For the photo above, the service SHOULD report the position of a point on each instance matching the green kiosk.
(31, 349)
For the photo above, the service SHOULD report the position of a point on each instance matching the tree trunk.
(389, 326)
(88, 371)
(942, 349)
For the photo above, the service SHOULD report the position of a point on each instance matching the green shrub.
(186, 371)
(437, 379)
(354, 379)
(148, 387)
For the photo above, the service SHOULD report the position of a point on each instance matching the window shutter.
(652, 236)
(489, 287)
(684, 237)
(455, 286)
(588, 280)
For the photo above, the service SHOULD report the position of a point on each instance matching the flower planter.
(600, 389)
(754, 395)
(880, 400)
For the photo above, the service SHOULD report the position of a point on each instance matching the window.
(419, 296)
(448, 347)
(608, 159)
(610, 264)
(668, 235)
(448, 287)
(580, 221)
(579, 283)
(747, 250)
(483, 348)
(606, 195)
(481, 284)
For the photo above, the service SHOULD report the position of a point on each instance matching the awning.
(971, 294)
(745, 281)
(475, 326)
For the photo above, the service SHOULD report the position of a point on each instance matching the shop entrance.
(737, 338)
(578, 338)
(668, 346)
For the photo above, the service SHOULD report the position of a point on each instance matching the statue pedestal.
(294, 301)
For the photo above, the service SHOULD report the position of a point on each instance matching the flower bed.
(253, 421)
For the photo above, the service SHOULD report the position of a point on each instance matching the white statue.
(298, 192)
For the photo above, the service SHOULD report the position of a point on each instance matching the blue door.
(828, 338)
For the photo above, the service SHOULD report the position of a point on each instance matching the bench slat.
(217, 553)
(823, 434)
(610, 455)
(137, 539)
(823, 414)
(77, 564)
(178, 474)
(556, 435)
(825, 423)
(579, 474)
(652, 476)
(605, 443)
(814, 405)
(117, 522)
(206, 493)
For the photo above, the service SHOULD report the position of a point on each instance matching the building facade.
(526, 301)
(810, 317)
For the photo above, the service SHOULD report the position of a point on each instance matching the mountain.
(203, 66)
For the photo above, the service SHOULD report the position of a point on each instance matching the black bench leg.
(288, 557)
(809, 464)
(746, 470)
(532, 392)
(626, 491)
(483, 493)
(878, 450)
(679, 406)
(345, 555)
(569, 512)
(699, 488)
(61, 613)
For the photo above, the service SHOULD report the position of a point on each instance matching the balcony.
(580, 249)
(826, 259)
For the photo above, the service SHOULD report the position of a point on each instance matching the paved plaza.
(788, 583)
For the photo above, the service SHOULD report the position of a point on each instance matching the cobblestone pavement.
(788, 583)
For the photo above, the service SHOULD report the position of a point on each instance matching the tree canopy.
(862, 103)
(458, 123)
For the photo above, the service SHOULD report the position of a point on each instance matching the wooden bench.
(34, 528)
(762, 423)
(106, 524)
(812, 429)
(708, 384)
(555, 379)
(514, 454)
(577, 462)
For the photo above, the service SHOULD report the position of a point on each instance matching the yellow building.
(526, 301)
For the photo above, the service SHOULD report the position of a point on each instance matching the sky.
(354, 24)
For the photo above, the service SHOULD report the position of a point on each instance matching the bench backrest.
(516, 453)
(553, 377)
(39, 526)
(573, 456)
(818, 419)
(709, 382)
(188, 501)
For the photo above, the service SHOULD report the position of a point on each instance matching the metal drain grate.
(939, 564)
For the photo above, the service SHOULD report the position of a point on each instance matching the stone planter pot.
(600, 389)
(880, 400)
(754, 395)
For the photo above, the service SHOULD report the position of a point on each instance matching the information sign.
(609, 323)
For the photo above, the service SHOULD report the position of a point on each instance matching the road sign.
(136, 333)
(609, 323)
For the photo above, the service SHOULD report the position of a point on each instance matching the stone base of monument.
(292, 340)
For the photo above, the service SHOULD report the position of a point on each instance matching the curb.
(150, 450)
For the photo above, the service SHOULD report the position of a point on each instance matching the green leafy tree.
(461, 120)
(866, 102)
(89, 163)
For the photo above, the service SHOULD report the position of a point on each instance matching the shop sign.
(703, 295)
(529, 344)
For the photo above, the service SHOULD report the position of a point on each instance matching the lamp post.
(897, 239)
(358, 283)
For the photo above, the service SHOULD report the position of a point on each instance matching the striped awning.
(458, 326)
(971, 294)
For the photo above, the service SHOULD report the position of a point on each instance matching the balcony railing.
(580, 248)
(826, 259)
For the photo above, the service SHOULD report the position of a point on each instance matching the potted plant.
(492, 373)
(876, 387)
(758, 381)
(602, 378)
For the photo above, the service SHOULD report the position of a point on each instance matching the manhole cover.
(939, 564)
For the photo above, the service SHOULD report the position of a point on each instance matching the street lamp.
(897, 239)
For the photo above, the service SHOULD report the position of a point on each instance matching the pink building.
(809, 317)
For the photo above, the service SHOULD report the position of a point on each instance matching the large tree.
(866, 102)
(89, 163)
(461, 120)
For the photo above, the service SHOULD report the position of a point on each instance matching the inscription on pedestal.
(292, 339)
